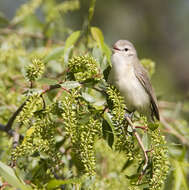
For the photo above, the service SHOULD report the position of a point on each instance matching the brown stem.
(51, 87)
(139, 142)
(141, 127)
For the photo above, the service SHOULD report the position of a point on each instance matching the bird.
(131, 79)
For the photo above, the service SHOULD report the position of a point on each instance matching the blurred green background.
(159, 30)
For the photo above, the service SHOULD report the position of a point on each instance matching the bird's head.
(125, 48)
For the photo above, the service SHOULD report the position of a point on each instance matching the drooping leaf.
(71, 40)
(99, 38)
(94, 97)
(107, 133)
(107, 117)
(145, 141)
(108, 129)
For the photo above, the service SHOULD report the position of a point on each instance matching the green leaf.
(94, 97)
(56, 183)
(107, 133)
(54, 54)
(67, 53)
(145, 141)
(71, 40)
(70, 84)
(99, 38)
(107, 117)
(10, 176)
(108, 129)
(107, 51)
(88, 97)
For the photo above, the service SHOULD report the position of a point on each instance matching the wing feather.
(142, 76)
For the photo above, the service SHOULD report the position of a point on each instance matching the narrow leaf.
(72, 39)
(107, 117)
(108, 129)
(98, 36)
(107, 133)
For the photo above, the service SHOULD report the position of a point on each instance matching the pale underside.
(123, 77)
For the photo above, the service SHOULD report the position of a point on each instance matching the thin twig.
(51, 87)
(13, 117)
(139, 142)
(141, 127)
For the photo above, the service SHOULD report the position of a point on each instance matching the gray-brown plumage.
(132, 80)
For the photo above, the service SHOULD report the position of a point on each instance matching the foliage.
(71, 125)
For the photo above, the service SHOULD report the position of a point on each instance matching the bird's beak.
(115, 49)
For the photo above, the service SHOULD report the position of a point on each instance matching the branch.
(51, 87)
(11, 120)
(8, 127)
(140, 143)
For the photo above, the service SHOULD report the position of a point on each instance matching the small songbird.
(131, 79)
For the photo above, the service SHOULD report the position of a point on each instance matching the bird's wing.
(142, 76)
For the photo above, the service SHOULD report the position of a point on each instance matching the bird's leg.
(140, 144)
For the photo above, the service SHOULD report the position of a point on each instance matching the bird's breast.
(124, 78)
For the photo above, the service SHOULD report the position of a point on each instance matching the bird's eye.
(126, 49)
